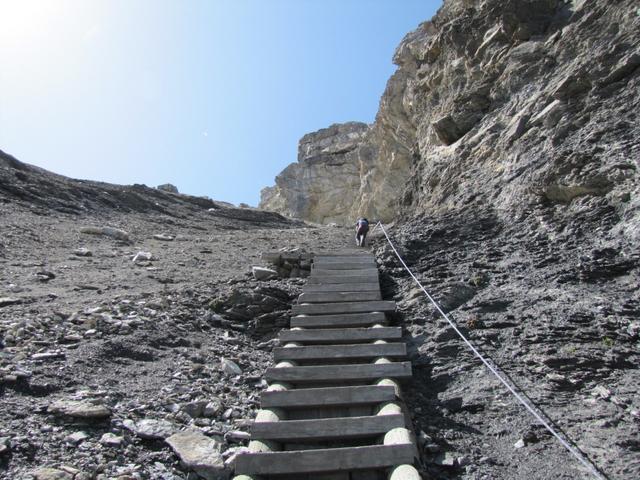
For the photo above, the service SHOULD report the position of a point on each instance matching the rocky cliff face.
(509, 103)
(506, 148)
(323, 186)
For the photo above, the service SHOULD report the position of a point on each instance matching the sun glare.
(23, 22)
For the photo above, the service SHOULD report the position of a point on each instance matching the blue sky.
(211, 96)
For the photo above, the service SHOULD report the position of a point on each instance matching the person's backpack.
(363, 223)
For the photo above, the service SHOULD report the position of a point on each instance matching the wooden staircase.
(333, 409)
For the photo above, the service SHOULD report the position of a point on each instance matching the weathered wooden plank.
(329, 297)
(332, 262)
(318, 271)
(345, 265)
(343, 307)
(345, 252)
(340, 373)
(369, 278)
(342, 287)
(340, 335)
(324, 460)
(326, 428)
(328, 397)
(317, 352)
(343, 320)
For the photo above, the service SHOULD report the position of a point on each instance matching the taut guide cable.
(593, 469)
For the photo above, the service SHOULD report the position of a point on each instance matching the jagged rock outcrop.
(507, 102)
(323, 185)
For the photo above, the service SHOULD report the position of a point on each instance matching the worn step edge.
(342, 287)
(318, 352)
(332, 297)
(340, 373)
(328, 397)
(340, 320)
(325, 460)
(341, 335)
(343, 307)
(326, 428)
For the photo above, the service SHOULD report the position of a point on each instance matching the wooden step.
(343, 320)
(344, 265)
(369, 278)
(333, 352)
(326, 428)
(331, 297)
(328, 397)
(340, 335)
(340, 373)
(345, 252)
(324, 460)
(342, 287)
(317, 271)
(343, 307)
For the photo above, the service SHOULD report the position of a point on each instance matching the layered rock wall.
(502, 102)
(323, 185)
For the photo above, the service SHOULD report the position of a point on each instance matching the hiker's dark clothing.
(362, 228)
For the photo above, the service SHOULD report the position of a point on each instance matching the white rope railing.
(496, 371)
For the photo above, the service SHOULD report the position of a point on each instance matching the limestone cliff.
(507, 102)
(323, 186)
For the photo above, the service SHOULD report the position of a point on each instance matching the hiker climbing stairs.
(333, 409)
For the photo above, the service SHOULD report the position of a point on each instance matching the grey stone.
(195, 409)
(5, 445)
(212, 408)
(6, 301)
(111, 440)
(168, 187)
(51, 474)
(80, 409)
(446, 459)
(76, 438)
(151, 429)
(237, 436)
(262, 273)
(112, 232)
(142, 257)
(230, 367)
(199, 453)
(163, 237)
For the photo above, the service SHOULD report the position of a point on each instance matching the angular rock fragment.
(111, 232)
(76, 438)
(5, 445)
(261, 273)
(111, 440)
(168, 187)
(79, 409)
(151, 429)
(51, 474)
(163, 237)
(199, 453)
(230, 367)
(142, 257)
(6, 301)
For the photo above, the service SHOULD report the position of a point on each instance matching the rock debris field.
(124, 350)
